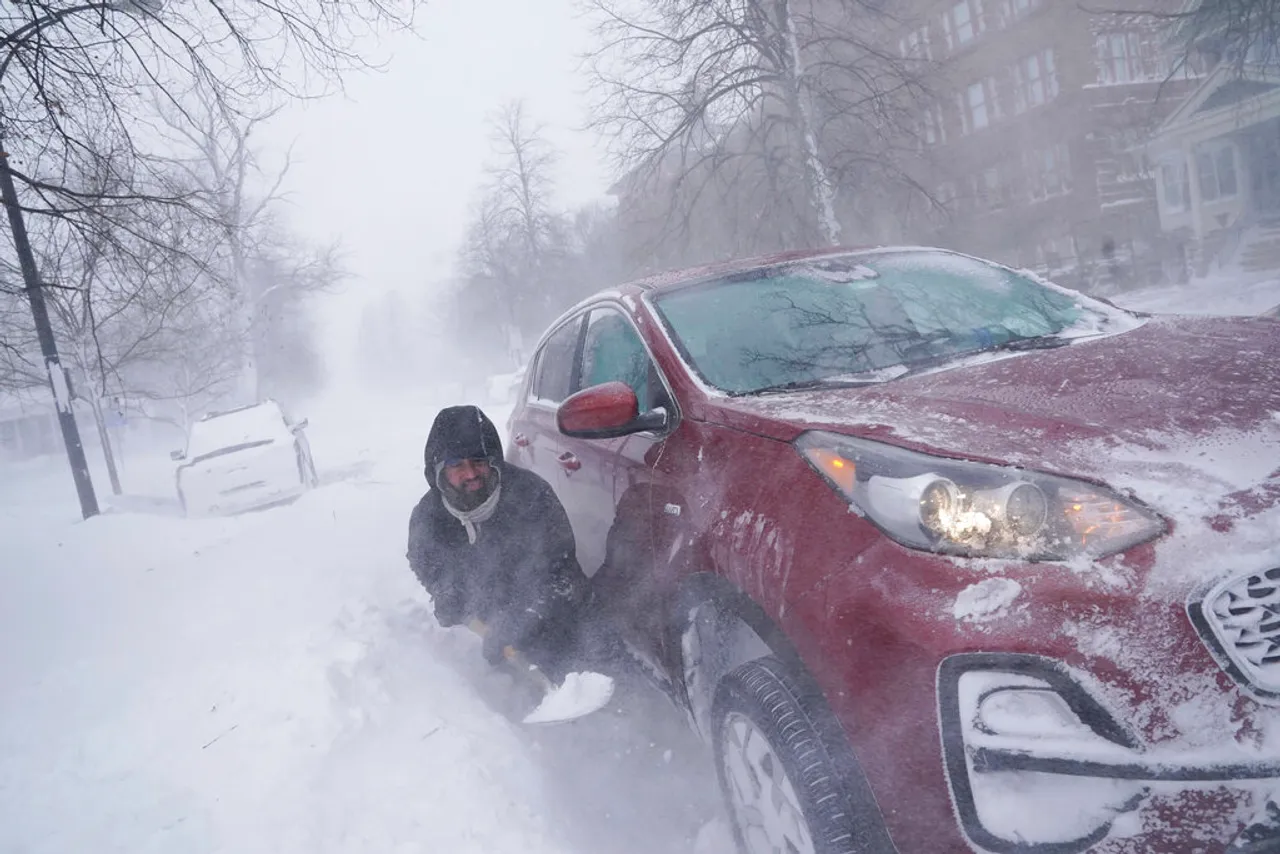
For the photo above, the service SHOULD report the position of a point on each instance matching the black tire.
(766, 696)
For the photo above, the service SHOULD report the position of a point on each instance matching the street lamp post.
(48, 346)
(58, 377)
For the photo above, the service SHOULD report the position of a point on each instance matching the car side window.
(554, 379)
(613, 351)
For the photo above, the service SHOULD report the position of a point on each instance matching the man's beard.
(464, 499)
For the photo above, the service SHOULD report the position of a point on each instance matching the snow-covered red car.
(242, 459)
(937, 555)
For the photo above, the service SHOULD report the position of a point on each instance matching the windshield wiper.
(1015, 345)
(865, 378)
(1037, 343)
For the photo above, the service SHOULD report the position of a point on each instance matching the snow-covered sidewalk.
(273, 682)
(1232, 292)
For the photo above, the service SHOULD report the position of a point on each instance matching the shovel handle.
(515, 658)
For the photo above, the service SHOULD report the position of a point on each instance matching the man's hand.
(495, 642)
(448, 610)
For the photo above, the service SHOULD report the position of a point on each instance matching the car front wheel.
(782, 788)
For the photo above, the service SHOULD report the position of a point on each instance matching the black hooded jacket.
(522, 572)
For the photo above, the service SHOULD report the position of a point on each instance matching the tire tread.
(762, 690)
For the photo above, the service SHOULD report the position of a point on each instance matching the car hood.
(1183, 412)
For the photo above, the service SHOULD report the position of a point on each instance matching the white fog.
(887, 402)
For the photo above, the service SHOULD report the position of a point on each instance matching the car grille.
(1241, 618)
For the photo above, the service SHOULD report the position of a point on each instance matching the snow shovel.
(580, 693)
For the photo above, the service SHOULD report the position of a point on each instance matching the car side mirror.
(606, 411)
(300, 425)
(177, 456)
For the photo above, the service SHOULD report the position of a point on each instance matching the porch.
(1217, 159)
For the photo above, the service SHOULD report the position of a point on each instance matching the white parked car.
(242, 459)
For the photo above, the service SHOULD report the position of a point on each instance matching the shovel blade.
(578, 695)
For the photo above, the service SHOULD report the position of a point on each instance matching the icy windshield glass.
(860, 318)
(255, 424)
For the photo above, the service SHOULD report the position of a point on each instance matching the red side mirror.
(599, 412)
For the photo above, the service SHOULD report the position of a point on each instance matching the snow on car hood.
(1183, 412)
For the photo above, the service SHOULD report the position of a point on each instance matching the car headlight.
(964, 508)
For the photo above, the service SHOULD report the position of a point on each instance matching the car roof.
(672, 279)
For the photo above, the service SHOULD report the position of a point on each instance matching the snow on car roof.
(689, 275)
(253, 423)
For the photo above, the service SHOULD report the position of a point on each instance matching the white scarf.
(471, 519)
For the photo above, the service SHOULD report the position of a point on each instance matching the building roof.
(1233, 92)
(1227, 100)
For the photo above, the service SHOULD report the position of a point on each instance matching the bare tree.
(701, 95)
(76, 77)
(123, 306)
(517, 242)
(283, 277)
(522, 181)
(263, 269)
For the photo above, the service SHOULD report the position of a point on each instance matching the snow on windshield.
(860, 314)
(255, 424)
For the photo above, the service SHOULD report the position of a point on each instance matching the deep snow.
(274, 682)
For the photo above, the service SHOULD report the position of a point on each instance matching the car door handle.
(569, 462)
(521, 440)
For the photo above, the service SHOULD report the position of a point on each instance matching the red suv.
(937, 555)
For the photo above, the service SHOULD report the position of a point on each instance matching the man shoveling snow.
(492, 545)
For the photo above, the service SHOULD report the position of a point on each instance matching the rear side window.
(555, 363)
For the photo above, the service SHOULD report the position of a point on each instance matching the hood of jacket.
(461, 432)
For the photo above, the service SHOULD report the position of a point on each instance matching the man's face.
(467, 476)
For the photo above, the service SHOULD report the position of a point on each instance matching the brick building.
(1032, 136)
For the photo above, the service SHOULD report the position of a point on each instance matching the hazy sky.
(392, 168)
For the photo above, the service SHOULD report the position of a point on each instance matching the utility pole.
(58, 379)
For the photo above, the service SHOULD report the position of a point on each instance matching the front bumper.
(1037, 765)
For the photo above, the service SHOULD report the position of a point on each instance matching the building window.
(1012, 10)
(934, 130)
(979, 106)
(1176, 185)
(993, 187)
(976, 106)
(1123, 58)
(962, 23)
(1217, 172)
(1049, 172)
(1035, 81)
(915, 44)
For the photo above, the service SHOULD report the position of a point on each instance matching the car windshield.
(252, 424)
(862, 318)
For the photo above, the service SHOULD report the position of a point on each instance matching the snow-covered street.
(274, 682)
